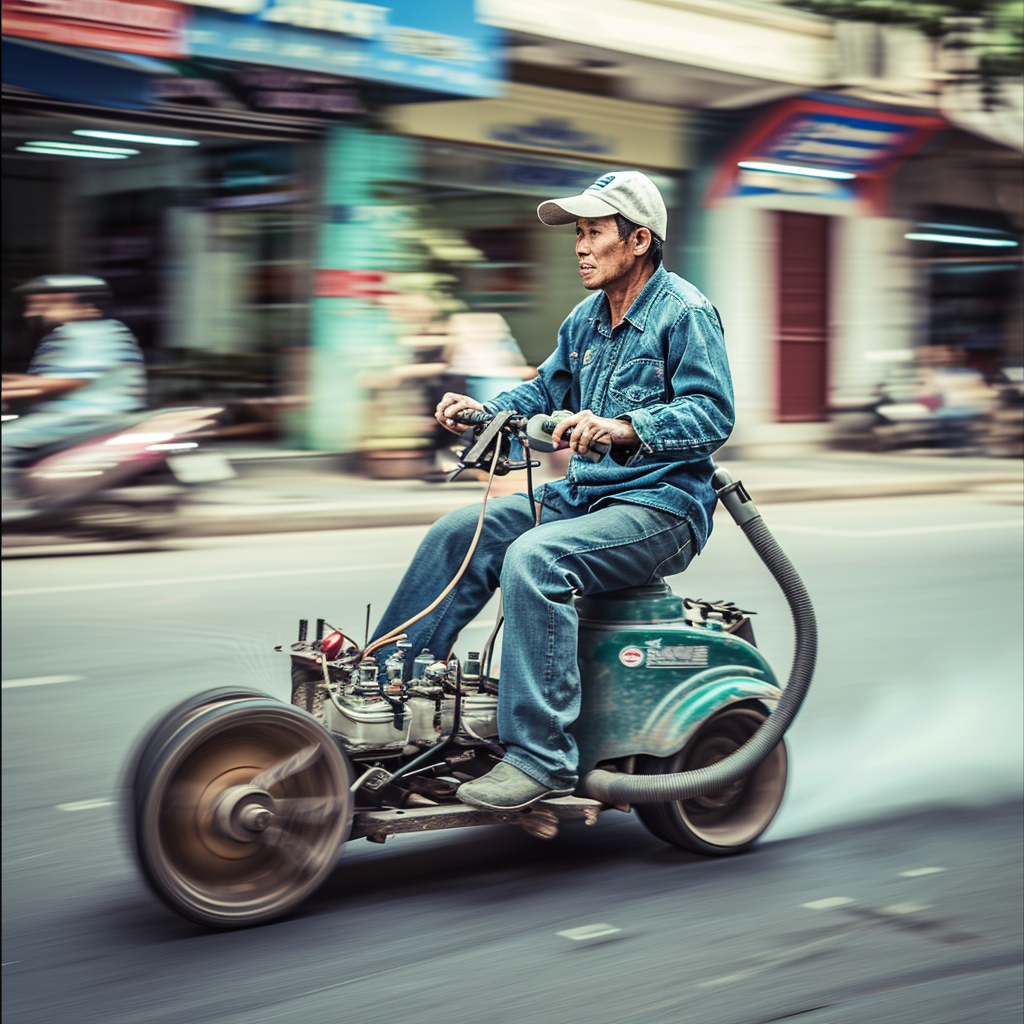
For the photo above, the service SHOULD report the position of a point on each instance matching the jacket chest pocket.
(638, 382)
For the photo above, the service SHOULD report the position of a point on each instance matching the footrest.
(377, 825)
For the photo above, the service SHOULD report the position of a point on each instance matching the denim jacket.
(664, 368)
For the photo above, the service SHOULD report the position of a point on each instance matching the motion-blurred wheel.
(307, 692)
(237, 806)
(730, 820)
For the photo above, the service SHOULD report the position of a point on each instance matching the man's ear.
(641, 241)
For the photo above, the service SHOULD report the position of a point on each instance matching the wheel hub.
(243, 812)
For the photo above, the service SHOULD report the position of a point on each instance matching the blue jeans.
(540, 571)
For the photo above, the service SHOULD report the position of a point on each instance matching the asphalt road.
(888, 890)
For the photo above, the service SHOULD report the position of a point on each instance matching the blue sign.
(437, 46)
(836, 140)
(823, 150)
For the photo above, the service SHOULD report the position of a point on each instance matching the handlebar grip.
(473, 416)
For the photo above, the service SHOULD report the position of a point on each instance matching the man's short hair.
(627, 227)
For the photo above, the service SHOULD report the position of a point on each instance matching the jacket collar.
(638, 312)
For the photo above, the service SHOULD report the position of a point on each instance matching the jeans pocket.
(676, 563)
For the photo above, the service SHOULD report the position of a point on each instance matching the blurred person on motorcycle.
(963, 396)
(641, 364)
(86, 368)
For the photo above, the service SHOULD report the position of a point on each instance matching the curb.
(213, 522)
(398, 509)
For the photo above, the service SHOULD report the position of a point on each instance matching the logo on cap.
(601, 182)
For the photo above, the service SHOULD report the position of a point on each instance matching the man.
(85, 369)
(640, 364)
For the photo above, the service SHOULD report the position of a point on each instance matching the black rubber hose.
(620, 788)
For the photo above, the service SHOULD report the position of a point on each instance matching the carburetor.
(376, 712)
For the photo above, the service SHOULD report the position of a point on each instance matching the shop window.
(501, 279)
(972, 263)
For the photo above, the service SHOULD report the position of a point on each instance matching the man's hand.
(584, 428)
(449, 406)
(27, 385)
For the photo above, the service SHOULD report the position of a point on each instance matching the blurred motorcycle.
(925, 400)
(124, 479)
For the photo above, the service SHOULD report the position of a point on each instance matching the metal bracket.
(540, 819)
(483, 442)
(372, 779)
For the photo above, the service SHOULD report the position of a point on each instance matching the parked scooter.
(124, 479)
(925, 400)
(237, 804)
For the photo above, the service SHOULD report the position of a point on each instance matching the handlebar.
(472, 417)
(534, 432)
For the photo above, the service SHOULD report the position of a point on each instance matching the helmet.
(80, 284)
(90, 291)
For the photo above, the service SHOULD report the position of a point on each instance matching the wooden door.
(803, 349)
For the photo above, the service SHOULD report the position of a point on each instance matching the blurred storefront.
(435, 215)
(345, 177)
(819, 209)
(180, 150)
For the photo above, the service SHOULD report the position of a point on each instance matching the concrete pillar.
(875, 307)
(741, 284)
(358, 231)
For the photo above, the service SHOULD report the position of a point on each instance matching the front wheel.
(731, 819)
(237, 808)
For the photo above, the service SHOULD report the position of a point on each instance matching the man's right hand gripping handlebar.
(450, 406)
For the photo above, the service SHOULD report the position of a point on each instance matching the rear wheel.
(238, 805)
(727, 821)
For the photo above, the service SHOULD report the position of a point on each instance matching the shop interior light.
(81, 147)
(152, 140)
(48, 151)
(802, 172)
(992, 243)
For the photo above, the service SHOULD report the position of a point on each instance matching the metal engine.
(375, 711)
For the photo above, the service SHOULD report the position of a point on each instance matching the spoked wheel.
(238, 805)
(729, 820)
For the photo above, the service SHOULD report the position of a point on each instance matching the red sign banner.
(351, 284)
(155, 28)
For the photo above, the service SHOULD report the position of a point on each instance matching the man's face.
(46, 312)
(604, 257)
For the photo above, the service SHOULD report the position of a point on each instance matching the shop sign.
(438, 47)
(152, 27)
(365, 20)
(813, 149)
(529, 117)
(273, 91)
(369, 285)
(557, 133)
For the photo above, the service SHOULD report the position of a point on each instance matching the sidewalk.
(279, 491)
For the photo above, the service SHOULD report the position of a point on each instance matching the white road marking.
(85, 805)
(589, 931)
(31, 856)
(918, 872)
(14, 684)
(176, 580)
(7, 963)
(768, 961)
(899, 531)
(906, 908)
(827, 903)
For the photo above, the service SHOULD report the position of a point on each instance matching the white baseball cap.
(630, 193)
